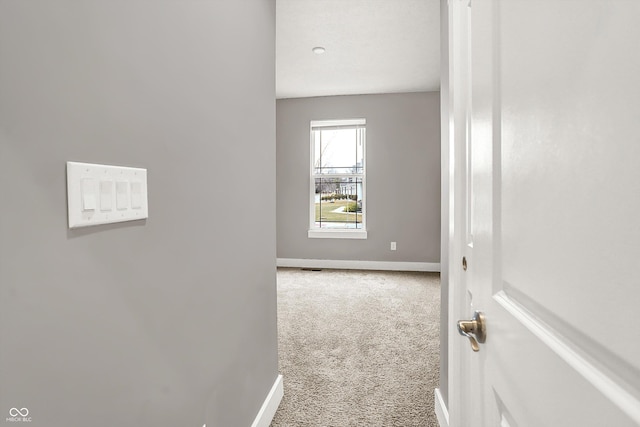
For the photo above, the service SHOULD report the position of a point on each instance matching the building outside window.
(338, 179)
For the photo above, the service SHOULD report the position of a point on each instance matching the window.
(337, 185)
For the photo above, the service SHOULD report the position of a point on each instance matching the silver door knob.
(474, 329)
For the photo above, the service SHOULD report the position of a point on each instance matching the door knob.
(474, 329)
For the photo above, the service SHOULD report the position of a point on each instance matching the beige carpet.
(358, 348)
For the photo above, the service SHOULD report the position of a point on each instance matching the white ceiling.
(372, 46)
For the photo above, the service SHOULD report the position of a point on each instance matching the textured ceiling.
(372, 46)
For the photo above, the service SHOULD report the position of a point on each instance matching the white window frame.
(323, 233)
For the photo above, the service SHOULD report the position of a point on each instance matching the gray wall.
(403, 177)
(155, 323)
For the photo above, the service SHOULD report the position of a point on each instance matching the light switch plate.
(90, 194)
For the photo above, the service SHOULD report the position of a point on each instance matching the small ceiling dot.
(318, 50)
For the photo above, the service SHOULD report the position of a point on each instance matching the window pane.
(336, 151)
(338, 203)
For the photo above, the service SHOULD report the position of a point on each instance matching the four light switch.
(102, 194)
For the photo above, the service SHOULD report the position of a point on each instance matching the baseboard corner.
(270, 405)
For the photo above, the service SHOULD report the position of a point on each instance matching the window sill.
(337, 234)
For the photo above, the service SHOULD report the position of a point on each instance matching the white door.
(553, 144)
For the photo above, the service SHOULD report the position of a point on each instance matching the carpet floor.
(358, 348)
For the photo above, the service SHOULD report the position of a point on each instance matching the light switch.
(103, 194)
(88, 194)
(121, 195)
(136, 195)
(106, 195)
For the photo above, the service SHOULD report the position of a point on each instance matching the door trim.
(457, 108)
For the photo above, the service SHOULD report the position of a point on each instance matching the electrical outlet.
(393, 246)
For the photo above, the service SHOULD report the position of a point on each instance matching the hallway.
(358, 348)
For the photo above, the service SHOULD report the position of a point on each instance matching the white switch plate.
(92, 186)
(393, 246)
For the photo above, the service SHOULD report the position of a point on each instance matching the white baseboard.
(359, 265)
(270, 405)
(441, 409)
